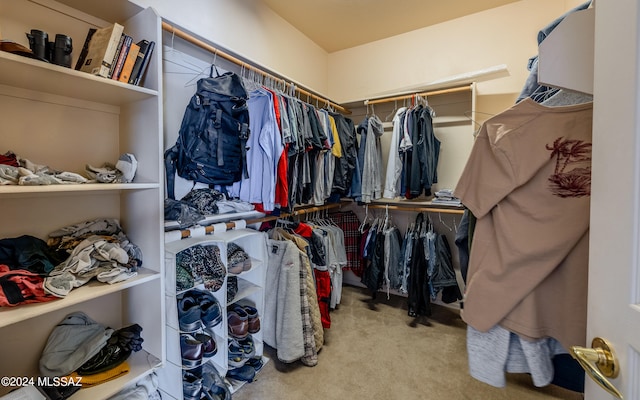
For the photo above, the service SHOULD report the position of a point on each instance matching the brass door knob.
(606, 364)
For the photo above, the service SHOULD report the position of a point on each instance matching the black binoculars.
(57, 52)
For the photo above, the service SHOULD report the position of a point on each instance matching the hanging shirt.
(372, 170)
(265, 147)
(394, 163)
(528, 182)
(281, 197)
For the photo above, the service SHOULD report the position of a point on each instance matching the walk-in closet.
(284, 200)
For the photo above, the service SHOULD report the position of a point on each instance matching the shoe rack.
(66, 119)
(250, 291)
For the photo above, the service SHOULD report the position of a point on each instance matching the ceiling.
(339, 24)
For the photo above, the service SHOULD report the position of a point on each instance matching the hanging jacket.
(372, 166)
(346, 165)
(444, 276)
(394, 163)
(429, 163)
(418, 299)
(372, 277)
(356, 186)
(426, 148)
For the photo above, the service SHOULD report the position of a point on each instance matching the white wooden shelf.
(91, 290)
(74, 188)
(245, 289)
(32, 74)
(140, 363)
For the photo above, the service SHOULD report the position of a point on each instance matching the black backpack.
(211, 145)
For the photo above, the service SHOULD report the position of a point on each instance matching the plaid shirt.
(349, 223)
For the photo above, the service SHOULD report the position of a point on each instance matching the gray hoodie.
(372, 168)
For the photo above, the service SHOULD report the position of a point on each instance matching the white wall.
(253, 31)
(504, 35)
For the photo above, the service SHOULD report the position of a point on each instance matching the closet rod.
(193, 40)
(185, 233)
(418, 209)
(423, 94)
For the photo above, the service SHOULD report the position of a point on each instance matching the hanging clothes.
(443, 276)
(265, 147)
(281, 321)
(345, 168)
(392, 257)
(295, 153)
(426, 150)
(418, 298)
(311, 327)
(348, 222)
(372, 170)
(394, 164)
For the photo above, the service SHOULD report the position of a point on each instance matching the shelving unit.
(250, 290)
(67, 119)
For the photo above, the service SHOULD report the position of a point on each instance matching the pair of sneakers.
(240, 351)
(248, 371)
(197, 309)
(208, 384)
(243, 361)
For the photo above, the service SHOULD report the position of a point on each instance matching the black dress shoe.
(118, 348)
(209, 346)
(110, 356)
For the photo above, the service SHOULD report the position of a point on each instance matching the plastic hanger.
(210, 67)
(443, 223)
(393, 112)
(364, 221)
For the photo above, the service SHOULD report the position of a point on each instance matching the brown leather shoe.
(253, 318)
(238, 323)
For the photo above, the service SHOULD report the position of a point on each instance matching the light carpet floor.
(374, 351)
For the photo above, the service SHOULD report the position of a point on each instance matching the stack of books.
(111, 53)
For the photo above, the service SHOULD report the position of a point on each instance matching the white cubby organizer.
(66, 119)
(250, 291)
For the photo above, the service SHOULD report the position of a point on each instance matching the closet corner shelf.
(245, 289)
(19, 190)
(140, 363)
(416, 205)
(31, 74)
(91, 290)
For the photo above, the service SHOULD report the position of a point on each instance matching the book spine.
(126, 45)
(145, 64)
(114, 60)
(136, 67)
(129, 63)
(110, 52)
(85, 49)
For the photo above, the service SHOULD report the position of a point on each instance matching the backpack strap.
(244, 136)
(217, 124)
